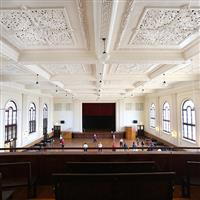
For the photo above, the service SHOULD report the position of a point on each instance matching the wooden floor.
(78, 142)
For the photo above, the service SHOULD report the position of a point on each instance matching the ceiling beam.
(192, 49)
(147, 57)
(81, 87)
(161, 70)
(15, 78)
(182, 77)
(38, 70)
(73, 78)
(8, 51)
(136, 57)
(126, 77)
(97, 23)
(40, 86)
(42, 73)
(112, 25)
(57, 57)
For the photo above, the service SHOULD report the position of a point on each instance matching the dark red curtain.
(98, 109)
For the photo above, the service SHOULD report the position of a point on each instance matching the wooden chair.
(114, 186)
(4, 195)
(192, 176)
(111, 167)
(18, 174)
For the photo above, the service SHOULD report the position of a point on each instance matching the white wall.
(175, 98)
(73, 117)
(63, 110)
(23, 98)
(129, 110)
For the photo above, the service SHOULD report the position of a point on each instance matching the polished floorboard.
(78, 142)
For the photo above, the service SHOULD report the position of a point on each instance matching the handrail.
(166, 148)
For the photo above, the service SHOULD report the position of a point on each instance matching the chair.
(4, 195)
(114, 186)
(18, 174)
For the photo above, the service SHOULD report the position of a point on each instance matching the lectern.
(130, 133)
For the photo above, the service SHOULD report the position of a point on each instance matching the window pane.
(184, 116)
(194, 133)
(193, 117)
(6, 118)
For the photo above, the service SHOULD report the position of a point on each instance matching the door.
(45, 121)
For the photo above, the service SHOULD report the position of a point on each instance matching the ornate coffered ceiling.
(44, 27)
(106, 11)
(61, 41)
(56, 69)
(130, 68)
(160, 26)
(13, 69)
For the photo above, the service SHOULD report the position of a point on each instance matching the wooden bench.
(18, 174)
(114, 186)
(4, 195)
(111, 167)
(192, 177)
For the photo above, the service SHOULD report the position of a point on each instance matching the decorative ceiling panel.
(13, 69)
(105, 17)
(106, 11)
(58, 69)
(131, 69)
(161, 26)
(83, 20)
(38, 27)
(115, 83)
(191, 69)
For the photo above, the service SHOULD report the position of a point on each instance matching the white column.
(120, 115)
(77, 116)
(1, 122)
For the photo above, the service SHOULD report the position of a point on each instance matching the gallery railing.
(92, 149)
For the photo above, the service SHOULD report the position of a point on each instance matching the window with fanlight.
(32, 118)
(152, 115)
(188, 120)
(45, 118)
(10, 121)
(166, 118)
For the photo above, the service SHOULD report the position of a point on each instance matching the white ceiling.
(147, 42)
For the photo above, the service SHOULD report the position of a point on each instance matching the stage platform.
(99, 134)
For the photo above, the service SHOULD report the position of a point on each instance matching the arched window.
(10, 121)
(188, 120)
(45, 111)
(45, 119)
(166, 117)
(152, 116)
(32, 118)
